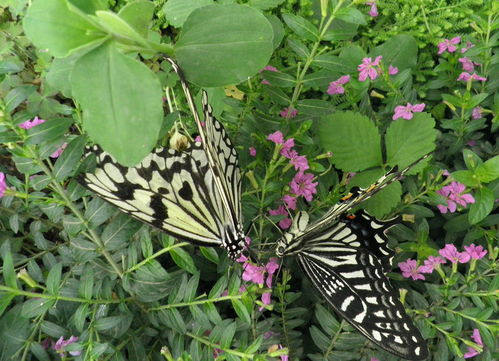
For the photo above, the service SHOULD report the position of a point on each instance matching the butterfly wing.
(171, 190)
(352, 281)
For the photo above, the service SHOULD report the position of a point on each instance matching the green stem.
(470, 317)
(214, 345)
(334, 339)
(192, 303)
(155, 255)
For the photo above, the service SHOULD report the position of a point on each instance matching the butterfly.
(192, 194)
(347, 257)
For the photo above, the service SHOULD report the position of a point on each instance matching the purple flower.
(28, 124)
(430, 264)
(464, 76)
(279, 211)
(268, 334)
(289, 201)
(288, 113)
(468, 46)
(198, 139)
(302, 185)
(253, 273)
(449, 45)
(475, 252)
(335, 87)
(285, 223)
(406, 111)
(410, 269)
(374, 9)
(276, 137)
(478, 340)
(217, 352)
(252, 151)
(471, 143)
(445, 173)
(3, 184)
(367, 68)
(265, 300)
(450, 252)
(300, 162)
(392, 70)
(283, 357)
(286, 149)
(454, 194)
(468, 65)
(268, 68)
(59, 151)
(61, 344)
(476, 113)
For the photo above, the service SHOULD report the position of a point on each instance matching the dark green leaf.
(484, 202)
(35, 307)
(241, 310)
(302, 27)
(177, 11)
(54, 278)
(400, 51)
(9, 274)
(210, 254)
(183, 260)
(67, 163)
(228, 335)
(351, 15)
(49, 131)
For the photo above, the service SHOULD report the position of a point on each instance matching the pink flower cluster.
(410, 268)
(61, 344)
(3, 184)
(465, 76)
(478, 340)
(407, 111)
(268, 68)
(373, 11)
(288, 113)
(369, 68)
(449, 45)
(256, 274)
(454, 194)
(336, 87)
(28, 124)
(468, 64)
(302, 183)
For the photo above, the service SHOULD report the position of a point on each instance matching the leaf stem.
(192, 303)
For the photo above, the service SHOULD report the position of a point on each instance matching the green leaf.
(58, 75)
(177, 11)
(279, 79)
(228, 335)
(210, 254)
(224, 44)
(410, 139)
(79, 317)
(334, 63)
(299, 48)
(278, 29)
(265, 4)
(107, 323)
(117, 26)
(351, 15)
(484, 202)
(314, 107)
(191, 288)
(14, 332)
(67, 163)
(48, 131)
(384, 201)
(52, 329)
(5, 300)
(320, 340)
(353, 139)
(86, 286)
(400, 51)
(255, 345)
(219, 287)
(49, 24)
(121, 101)
(39, 352)
(488, 171)
(183, 260)
(35, 307)
(241, 311)
(326, 320)
(138, 15)
(471, 159)
(16, 96)
(302, 27)
(53, 279)
(9, 273)
(467, 177)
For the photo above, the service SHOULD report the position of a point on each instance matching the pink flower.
(289, 201)
(450, 252)
(279, 211)
(276, 137)
(59, 151)
(471, 143)
(476, 113)
(286, 149)
(271, 68)
(285, 223)
(445, 173)
(454, 194)
(406, 111)
(367, 68)
(410, 269)
(272, 266)
(288, 113)
(469, 45)
(242, 289)
(448, 45)
(475, 252)
(335, 87)
(283, 357)
(464, 76)
(265, 81)
(198, 139)
(253, 273)
(3, 184)
(265, 300)
(30, 124)
(392, 70)
(374, 359)
(60, 344)
(252, 151)
(374, 9)
(300, 162)
(268, 334)
(430, 264)
(468, 65)
(217, 352)
(478, 340)
(302, 185)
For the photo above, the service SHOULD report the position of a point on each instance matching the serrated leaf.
(183, 260)
(354, 140)
(409, 139)
(53, 279)
(484, 202)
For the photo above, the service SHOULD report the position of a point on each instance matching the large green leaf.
(49, 24)
(400, 51)
(484, 202)
(302, 27)
(177, 11)
(353, 139)
(121, 102)
(409, 139)
(224, 44)
(138, 15)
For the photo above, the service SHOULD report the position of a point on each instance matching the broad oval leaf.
(224, 44)
(177, 11)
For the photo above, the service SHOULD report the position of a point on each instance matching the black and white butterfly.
(347, 257)
(192, 194)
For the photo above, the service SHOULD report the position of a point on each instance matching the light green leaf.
(183, 260)
(302, 27)
(354, 140)
(278, 29)
(49, 24)
(117, 26)
(228, 335)
(467, 177)
(409, 139)
(241, 310)
(224, 44)
(48, 131)
(53, 279)
(384, 201)
(471, 159)
(488, 171)
(279, 79)
(400, 51)
(484, 202)
(352, 15)
(121, 101)
(177, 11)
(265, 4)
(9, 274)
(138, 15)
(67, 162)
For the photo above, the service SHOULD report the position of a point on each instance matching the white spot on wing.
(346, 303)
(376, 335)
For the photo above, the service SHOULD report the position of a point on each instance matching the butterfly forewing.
(169, 189)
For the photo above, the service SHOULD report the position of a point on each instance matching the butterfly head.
(234, 241)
